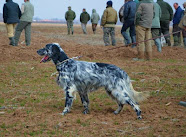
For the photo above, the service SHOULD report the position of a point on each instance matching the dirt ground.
(30, 99)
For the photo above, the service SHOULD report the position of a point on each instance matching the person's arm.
(66, 15)
(81, 17)
(88, 17)
(116, 18)
(5, 14)
(138, 14)
(126, 11)
(74, 15)
(170, 11)
(22, 8)
(104, 18)
(19, 12)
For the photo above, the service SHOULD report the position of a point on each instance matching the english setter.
(84, 77)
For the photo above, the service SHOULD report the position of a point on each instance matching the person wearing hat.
(70, 15)
(84, 18)
(182, 25)
(27, 10)
(108, 22)
(11, 16)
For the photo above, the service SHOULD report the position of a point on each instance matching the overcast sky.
(47, 9)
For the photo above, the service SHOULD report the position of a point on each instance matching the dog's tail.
(139, 96)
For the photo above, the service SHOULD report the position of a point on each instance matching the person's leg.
(85, 28)
(148, 46)
(106, 36)
(72, 27)
(155, 33)
(140, 36)
(175, 29)
(184, 37)
(124, 33)
(165, 31)
(10, 33)
(133, 34)
(28, 33)
(112, 34)
(68, 27)
(18, 30)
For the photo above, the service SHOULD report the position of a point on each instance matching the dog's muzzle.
(43, 52)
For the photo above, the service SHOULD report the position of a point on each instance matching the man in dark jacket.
(11, 16)
(166, 17)
(84, 18)
(176, 20)
(129, 16)
(70, 15)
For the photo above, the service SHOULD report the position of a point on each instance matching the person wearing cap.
(84, 18)
(27, 10)
(182, 25)
(108, 22)
(11, 16)
(70, 15)
(176, 20)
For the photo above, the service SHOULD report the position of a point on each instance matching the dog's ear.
(55, 49)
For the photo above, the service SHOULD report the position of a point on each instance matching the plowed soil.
(24, 112)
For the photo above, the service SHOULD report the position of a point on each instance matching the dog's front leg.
(68, 102)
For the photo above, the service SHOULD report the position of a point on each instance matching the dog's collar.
(68, 60)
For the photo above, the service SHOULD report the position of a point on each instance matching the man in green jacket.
(70, 15)
(166, 17)
(108, 22)
(27, 10)
(143, 21)
(84, 18)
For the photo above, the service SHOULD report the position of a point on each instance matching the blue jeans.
(129, 24)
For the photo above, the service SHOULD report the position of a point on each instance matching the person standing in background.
(108, 22)
(27, 10)
(84, 18)
(94, 20)
(176, 20)
(11, 16)
(182, 25)
(155, 30)
(129, 16)
(166, 17)
(143, 21)
(70, 15)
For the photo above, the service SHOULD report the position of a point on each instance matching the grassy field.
(31, 101)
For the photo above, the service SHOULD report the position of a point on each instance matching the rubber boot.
(12, 41)
(149, 55)
(158, 44)
(175, 41)
(184, 42)
(168, 41)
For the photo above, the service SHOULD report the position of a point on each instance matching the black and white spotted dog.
(84, 77)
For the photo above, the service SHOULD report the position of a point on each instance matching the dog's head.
(52, 52)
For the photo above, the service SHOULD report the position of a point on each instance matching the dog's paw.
(116, 112)
(86, 111)
(139, 117)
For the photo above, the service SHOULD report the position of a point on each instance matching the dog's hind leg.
(135, 107)
(120, 106)
(85, 102)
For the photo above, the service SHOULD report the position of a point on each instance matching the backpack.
(121, 14)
